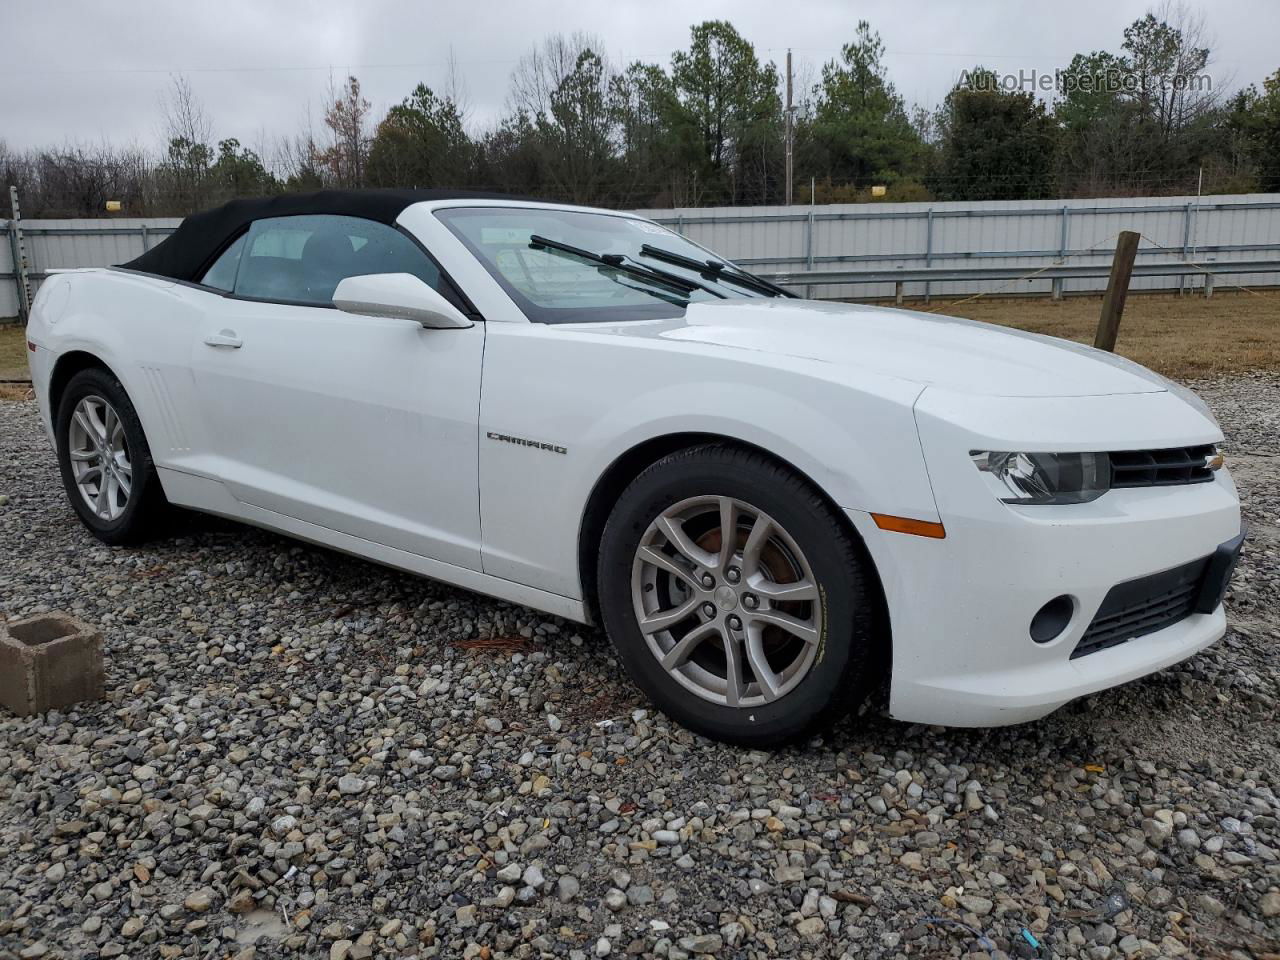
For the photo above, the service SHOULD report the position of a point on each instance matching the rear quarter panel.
(141, 327)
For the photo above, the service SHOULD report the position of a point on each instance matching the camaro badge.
(522, 442)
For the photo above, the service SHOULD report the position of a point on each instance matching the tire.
(665, 537)
(119, 516)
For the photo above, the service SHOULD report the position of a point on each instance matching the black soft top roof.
(185, 253)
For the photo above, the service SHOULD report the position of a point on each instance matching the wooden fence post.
(1117, 291)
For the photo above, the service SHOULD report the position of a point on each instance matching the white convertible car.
(772, 505)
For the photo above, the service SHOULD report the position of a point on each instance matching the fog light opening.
(1052, 619)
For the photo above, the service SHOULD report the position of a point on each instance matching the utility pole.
(18, 251)
(790, 128)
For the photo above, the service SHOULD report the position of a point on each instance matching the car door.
(358, 424)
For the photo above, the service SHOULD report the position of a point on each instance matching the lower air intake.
(1139, 607)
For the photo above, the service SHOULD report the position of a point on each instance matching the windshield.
(563, 266)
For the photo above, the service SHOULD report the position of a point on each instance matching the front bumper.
(960, 608)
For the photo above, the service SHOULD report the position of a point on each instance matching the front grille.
(1139, 607)
(1162, 468)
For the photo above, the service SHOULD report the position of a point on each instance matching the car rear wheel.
(736, 598)
(105, 461)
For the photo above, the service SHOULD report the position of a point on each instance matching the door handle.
(224, 338)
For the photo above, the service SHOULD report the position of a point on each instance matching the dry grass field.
(13, 361)
(13, 352)
(1184, 337)
(1187, 338)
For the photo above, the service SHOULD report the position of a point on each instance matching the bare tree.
(347, 117)
(541, 72)
(183, 116)
(1169, 53)
(187, 133)
(455, 87)
(296, 159)
(77, 180)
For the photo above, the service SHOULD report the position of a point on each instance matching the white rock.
(351, 785)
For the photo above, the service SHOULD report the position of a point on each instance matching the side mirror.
(399, 295)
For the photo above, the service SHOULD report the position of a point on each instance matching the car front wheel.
(736, 598)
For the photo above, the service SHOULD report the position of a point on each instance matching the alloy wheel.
(99, 456)
(727, 601)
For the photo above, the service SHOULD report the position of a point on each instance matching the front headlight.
(1043, 478)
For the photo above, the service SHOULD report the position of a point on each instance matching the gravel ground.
(305, 755)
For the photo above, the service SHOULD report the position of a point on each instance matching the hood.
(925, 348)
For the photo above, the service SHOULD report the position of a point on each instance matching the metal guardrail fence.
(840, 250)
(950, 237)
(16, 232)
(1055, 272)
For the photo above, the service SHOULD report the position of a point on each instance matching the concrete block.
(49, 661)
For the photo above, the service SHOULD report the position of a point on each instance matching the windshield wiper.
(716, 269)
(615, 261)
(675, 276)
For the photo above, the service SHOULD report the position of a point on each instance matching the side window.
(222, 275)
(302, 259)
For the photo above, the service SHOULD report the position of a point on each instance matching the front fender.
(596, 397)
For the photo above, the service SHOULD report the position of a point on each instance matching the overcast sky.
(84, 70)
